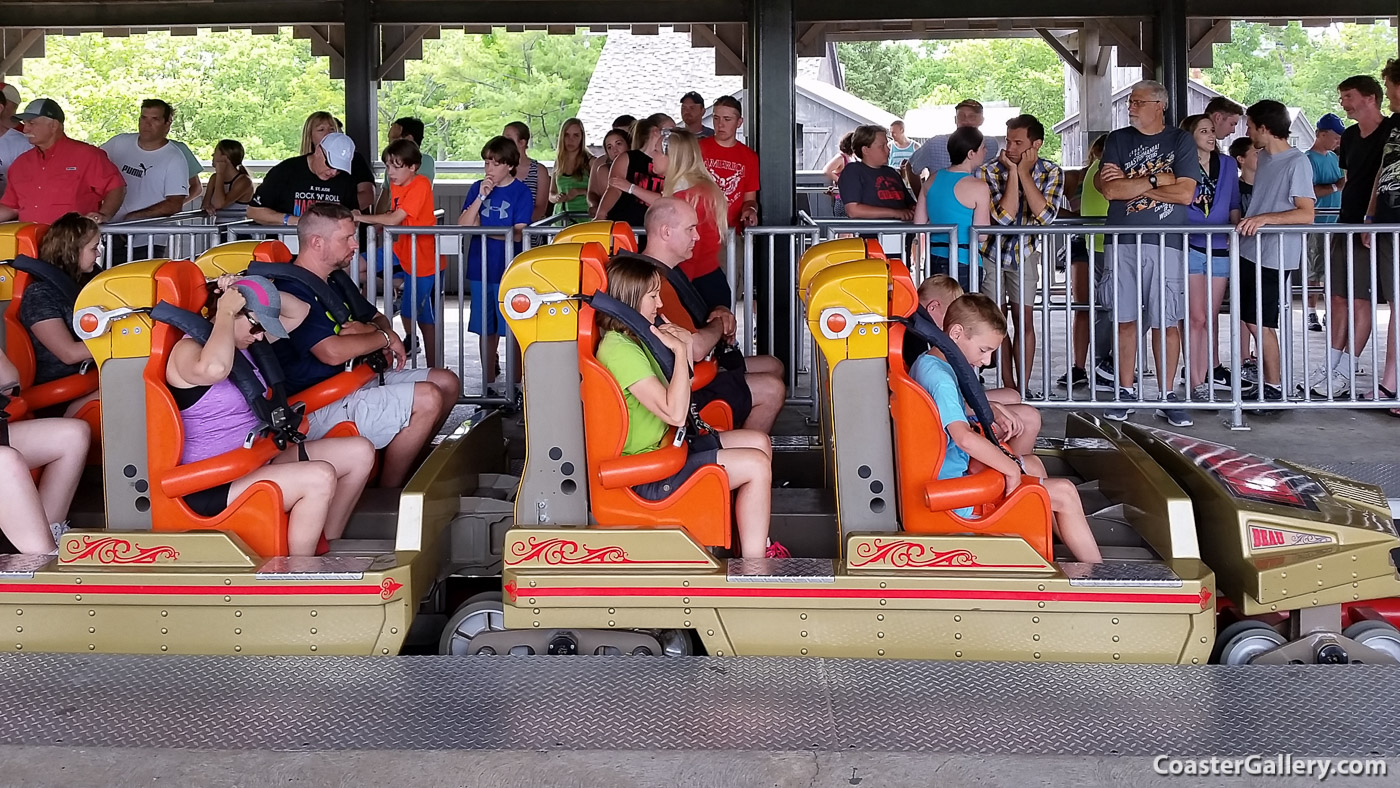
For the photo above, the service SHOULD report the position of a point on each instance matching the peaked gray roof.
(642, 74)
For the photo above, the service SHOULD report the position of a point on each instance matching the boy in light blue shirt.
(977, 327)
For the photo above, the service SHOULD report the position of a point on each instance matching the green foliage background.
(259, 89)
(1298, 66)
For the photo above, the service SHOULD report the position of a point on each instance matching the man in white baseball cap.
(294, 185)
(12, 139)
(9, 105)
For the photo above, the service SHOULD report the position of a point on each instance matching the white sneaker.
(58, 530)
(1340, 384)
(1317, 378)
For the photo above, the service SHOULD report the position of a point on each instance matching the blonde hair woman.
(572, 167)
(315, 129)
(687, 179)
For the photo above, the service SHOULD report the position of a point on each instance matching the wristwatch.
(1152, 179)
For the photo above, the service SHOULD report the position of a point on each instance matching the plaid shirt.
(1050, 180)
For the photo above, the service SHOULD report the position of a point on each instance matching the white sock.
(1334, 357)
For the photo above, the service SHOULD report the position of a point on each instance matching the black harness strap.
(361, 310)
(690, 298)
(277, 418)
(641, 329)
(48, 274)
(727, 354)
(339, 297)
(330, 298)
(638, 325)
(969, 383)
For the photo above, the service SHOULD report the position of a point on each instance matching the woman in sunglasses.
(319, 493)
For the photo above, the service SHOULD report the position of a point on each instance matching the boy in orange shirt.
(411, 204)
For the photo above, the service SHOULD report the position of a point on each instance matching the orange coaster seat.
(701, 504)
(927, 503)
(19, 347)
(257, 515)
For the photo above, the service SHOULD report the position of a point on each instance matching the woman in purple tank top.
(319, 493)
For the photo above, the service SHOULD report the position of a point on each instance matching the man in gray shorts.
(1026, 191)
(398, 411)
(1149, 176)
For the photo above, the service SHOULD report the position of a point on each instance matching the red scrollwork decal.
(903, 554)
(565, 552)
(111, 550)
(388, 587)
(1205, 597)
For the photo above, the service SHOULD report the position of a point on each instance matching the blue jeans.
(420, 297)
(1219, 262)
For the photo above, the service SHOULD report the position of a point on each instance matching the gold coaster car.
(580, 585)
(160, 579)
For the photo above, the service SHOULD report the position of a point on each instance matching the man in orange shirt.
(59, 175)
(415, 256)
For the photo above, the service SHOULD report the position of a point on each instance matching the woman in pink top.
(319, 493)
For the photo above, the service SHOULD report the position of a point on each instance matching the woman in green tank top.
(569, 189)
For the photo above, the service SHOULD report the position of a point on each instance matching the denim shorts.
(1219, 262)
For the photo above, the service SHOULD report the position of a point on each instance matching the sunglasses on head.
(666, 139)
(254, 327)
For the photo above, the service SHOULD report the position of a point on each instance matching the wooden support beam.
(1066, 54)
(412, 40)
(811, 40)
(1130, 52)
(14, 55)
(1201, 51)
(321, 45)
(727, 61)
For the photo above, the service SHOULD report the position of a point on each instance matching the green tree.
(221, 84)
(881, 73)
(259, 89)
(1300, 67)
(467, 87)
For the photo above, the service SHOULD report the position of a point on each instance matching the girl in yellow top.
(653, 403)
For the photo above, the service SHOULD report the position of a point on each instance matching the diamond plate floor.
(620, 703)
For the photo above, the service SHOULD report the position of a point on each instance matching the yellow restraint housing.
(847, 310)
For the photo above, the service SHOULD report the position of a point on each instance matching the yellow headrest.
(848, 310)
(616, 237)
(17, 237)
(129, 286)
(824, 255)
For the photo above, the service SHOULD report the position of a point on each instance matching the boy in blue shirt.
(977, 327)
(498, 200)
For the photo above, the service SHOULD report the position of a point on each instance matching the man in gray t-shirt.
(1148, 175)
(933, 155)
(1283, 194)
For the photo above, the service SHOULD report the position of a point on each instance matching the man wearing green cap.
(60, 175)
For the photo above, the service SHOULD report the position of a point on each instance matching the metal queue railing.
(183, 235)
(760, 253)
(1210, 335)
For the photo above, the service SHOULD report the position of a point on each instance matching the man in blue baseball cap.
(1328, 180)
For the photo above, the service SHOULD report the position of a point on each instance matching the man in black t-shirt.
(1350, 267)
(296, 184)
